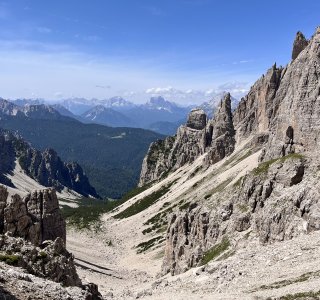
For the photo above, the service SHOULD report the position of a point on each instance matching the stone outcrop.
(299, 44)
(256, 110)
(195, 138)
(157, 161)
(49, 170)
(222, 139)
(275, 202)
(7, 160)
(284, 104)
(49, 260)
(33, 237)
(35, 218)
(197, 119)
(296, 125)
(45, 167)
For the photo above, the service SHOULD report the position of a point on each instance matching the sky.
(184, 50)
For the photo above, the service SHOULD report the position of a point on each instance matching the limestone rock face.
(33, 231)
(222, 139)
(197, 119)
(157, 162)
(299, 44)
(192, 140)
(50, 260)
(284, 104)
(35, 218)
(172, 153)
(49, 170)
(255, 111)
(275, 205)
(295, 126)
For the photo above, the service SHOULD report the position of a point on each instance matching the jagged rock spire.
(223, 118)
(299, 44)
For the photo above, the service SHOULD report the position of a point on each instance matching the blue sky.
(186, 50)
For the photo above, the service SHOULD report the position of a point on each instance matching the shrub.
(10, 259)
(144, 246)
(143, 203)
(263, 168)
(215, 251)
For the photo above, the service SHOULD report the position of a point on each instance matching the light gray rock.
(35, 218)
(222, 140)
(275, 203)
(192, 140)
(197, 119)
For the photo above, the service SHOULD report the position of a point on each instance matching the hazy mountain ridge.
(157, 114)
(110, 157)
(107, 116)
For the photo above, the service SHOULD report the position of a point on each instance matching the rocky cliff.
(35, 220)
(284, 103)
(33, 237)
(45, 167)
(278, 200)
(197, 137)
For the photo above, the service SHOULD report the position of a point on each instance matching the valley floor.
(253, 272)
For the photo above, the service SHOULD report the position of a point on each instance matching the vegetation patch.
(144, 246)
(220, 187)
(263, 168)
(227, 255)
(243, 207)
(236, 159)
(215, 251)
(88, 214)
(282, 283)
(196, 170)
(303, 295)
(184, 206)
(144, 203)
(42, 255)
(136, 191)
(159, 221)
(238, 182)
(10, 259)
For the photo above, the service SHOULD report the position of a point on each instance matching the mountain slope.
(230, 206)
(46, 167)
(107, 116)
(110, 157)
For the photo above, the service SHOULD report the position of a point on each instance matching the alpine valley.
(227, 207)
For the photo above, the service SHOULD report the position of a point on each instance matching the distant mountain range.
(157, 114)
(210, 107)
(110, 157)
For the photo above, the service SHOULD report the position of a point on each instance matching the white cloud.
(191, 96)
(45, 68)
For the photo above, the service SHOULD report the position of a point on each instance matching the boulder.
(197, 119)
